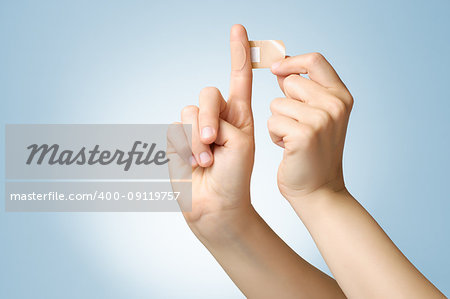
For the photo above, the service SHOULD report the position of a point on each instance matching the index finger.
(313, 64)
(239, 111)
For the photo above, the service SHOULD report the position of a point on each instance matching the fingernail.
(204, 158)
(275, 65)
(192, 161)
(207, 132)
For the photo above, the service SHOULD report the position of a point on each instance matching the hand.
(222, 217)
(310, 123)
(222, 145)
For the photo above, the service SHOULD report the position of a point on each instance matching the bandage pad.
(264, 53)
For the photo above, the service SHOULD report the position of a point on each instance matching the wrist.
(335, 186)
(319, 202)
(225, 226)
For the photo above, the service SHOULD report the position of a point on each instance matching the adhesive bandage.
(264, 53)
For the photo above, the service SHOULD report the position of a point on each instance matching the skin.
(309, 123)
(222, 216)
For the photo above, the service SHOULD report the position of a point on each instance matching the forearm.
(260, 263)
(362, 258)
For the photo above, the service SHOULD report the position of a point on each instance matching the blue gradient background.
(141, 62)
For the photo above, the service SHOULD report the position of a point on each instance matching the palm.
(214, 189)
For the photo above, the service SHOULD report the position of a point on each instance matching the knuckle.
(189, 110)
(350, 100)
(209, 91)
(315, 58)
(337, 108)
(346, 97)
(272, 123)
(275, 104)
(323, 119)
(205, 114)
(171, 130)
(244, 108)
(307, 133)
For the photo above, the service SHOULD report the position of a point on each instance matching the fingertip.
(205, 159)
(275, 67)
(193, 161)
(238, 32)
